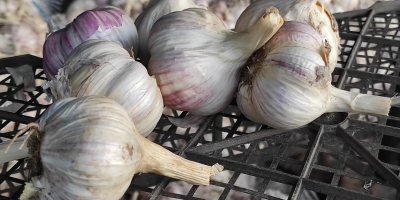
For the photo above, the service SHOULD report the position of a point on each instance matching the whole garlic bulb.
(311, 12)
(89, 149)
(197, 60)
(100, 67)
(288, 83)
(107, 23)
(154, 11)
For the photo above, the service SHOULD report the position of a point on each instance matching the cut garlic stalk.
(100, 67)
(154, 11)
(87, 148)
(311, 12)
(288, 83)
(197, 60)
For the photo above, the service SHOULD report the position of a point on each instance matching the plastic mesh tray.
(336, 157)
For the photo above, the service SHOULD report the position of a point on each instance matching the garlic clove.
(107, 23)
(100, 67)
(200, 76)
(311, 12)
(154, 11)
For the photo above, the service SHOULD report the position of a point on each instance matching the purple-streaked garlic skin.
(154, 11)
(108, 23)
(197, 59)
(288, 83)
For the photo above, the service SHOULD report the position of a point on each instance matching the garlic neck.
(262, 30)
(158, 160)
(345, 101)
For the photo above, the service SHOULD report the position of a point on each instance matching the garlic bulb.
(87, 148)
(288, 83)
(107, 23)
(100, 67)
(307, 11)
(154, 11)
(197, 60)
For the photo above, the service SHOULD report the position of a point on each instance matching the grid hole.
(278, 190)
(208, 192)
(321, 176)
(391, 141)
(248, 182)
(309, 194)
(389, 157)
(351, 183)
(233, 194)
(383, 191)
(327, 160)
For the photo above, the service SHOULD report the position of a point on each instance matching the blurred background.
(23, 25)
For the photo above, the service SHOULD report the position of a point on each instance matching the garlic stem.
(345, 101)
(263, 29)
(14, 152)
(158, 160)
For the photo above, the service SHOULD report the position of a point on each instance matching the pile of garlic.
(19, 19)
(22, 28)
(184, 56)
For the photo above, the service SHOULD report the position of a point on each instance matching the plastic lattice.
(339, 156)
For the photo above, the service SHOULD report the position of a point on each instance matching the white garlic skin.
(99, 67)
(85, 156)
(288, 82)
(288, 85)
(311, 12)
(154, 11)
(196, 58)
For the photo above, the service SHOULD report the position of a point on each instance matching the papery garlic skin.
(100, 67)
(78, 164)
(154, 11)
(288, 83)
(308, 11)
(197, 60)
(107, 23)
(89, 149)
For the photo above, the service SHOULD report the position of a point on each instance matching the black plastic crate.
(336, 157)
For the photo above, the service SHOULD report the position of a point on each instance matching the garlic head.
(197, 59)
(311, 12)
(100, 67)
(154, 11)
(288, 83)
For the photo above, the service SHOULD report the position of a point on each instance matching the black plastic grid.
(357, 159)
